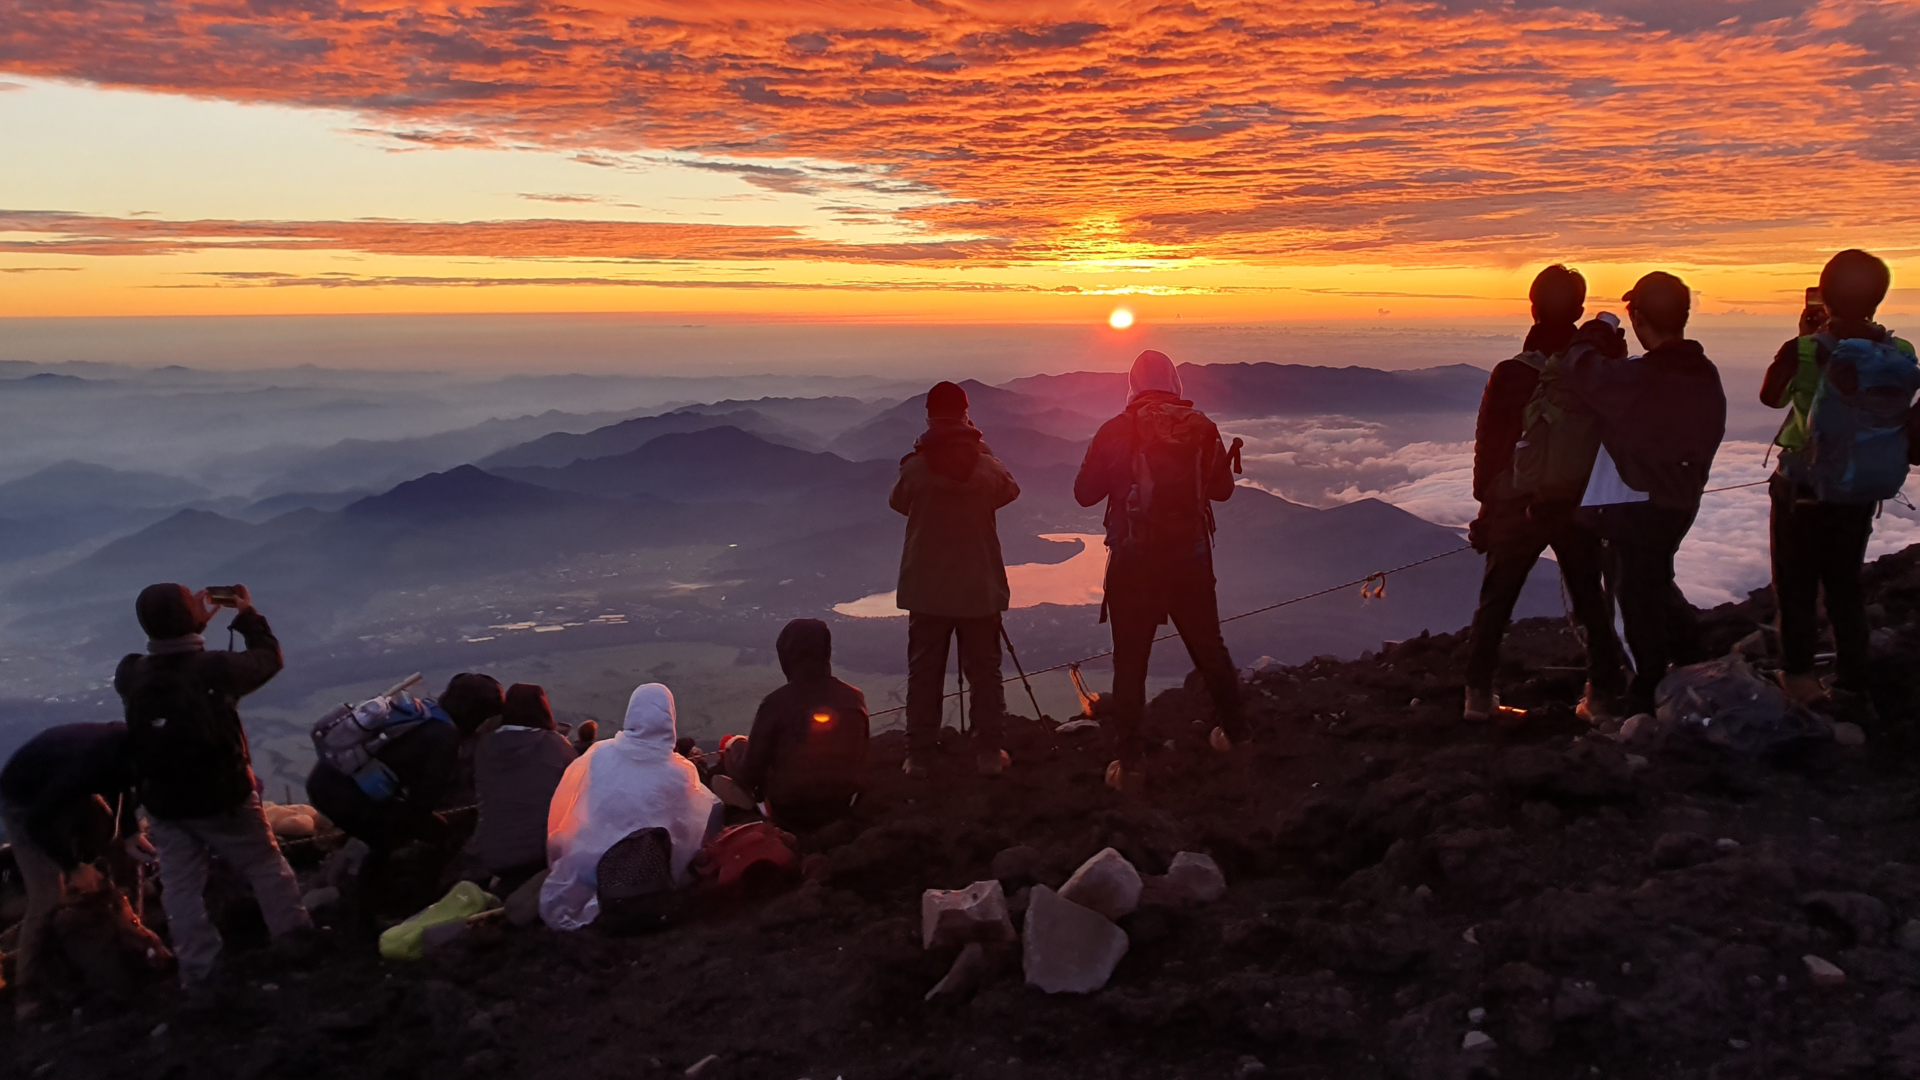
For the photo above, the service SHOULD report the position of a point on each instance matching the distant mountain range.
(1253, 390)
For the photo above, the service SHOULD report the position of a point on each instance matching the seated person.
(54, 793)
(517, 767)
(620, 786)
(807, 756)
(422, 761)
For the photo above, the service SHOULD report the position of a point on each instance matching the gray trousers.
(242, 840)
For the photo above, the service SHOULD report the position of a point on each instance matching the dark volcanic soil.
(1391, 869)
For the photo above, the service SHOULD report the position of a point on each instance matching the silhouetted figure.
(53, 794)
(1160, 465)
(195, 771)
(1661, 419)
(1519, 519)
(416, 767)
(516, 767)
(1819, 539)
(953, 580)
(807, 756)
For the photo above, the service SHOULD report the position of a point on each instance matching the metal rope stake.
(1004, 636)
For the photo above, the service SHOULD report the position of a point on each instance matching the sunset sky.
(945, 161)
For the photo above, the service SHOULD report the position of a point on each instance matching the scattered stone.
(1107, 884)
(1726, 843)
(1192, 878)
(1478, 1040)
(1637, 761)
(1909, 936)
(159, 1032)
(1738, 1044)
(320, 899)
(1823, 972)
(523, 904)
(968, 969)
(1069, 949)
(950, 917)
(1249, 1067)
(1017, 865)
(1470, 937)
(1849, 734)
(700, 1067)
(1076, 727)
(1476, 1016)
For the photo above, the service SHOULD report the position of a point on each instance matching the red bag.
(755, 852)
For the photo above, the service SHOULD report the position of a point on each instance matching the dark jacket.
(424, 762)
(213, 771)
(516, 770)
(1775, 387)
(1502, 405)
(809, 739)
(1107, 470)
(950, 488)
(1661, 417)
(50, 783)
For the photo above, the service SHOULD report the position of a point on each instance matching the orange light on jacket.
(823, 718)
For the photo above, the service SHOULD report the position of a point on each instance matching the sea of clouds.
(1326, 460)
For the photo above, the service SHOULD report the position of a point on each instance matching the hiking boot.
(1596, 708)
(1220, 741)
(991, 763)
(1127, 779)
(1484, 705)
(914, 768)
(1803, 689)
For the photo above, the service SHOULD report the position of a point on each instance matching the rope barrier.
(1372, 587)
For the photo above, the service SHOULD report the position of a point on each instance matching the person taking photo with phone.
(1844, 374)
(194, 772)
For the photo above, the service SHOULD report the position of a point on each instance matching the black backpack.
(189, 760)
(635, 884)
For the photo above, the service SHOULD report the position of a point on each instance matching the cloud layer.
(1129, 133)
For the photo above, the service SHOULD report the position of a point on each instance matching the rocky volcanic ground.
(1409, 896)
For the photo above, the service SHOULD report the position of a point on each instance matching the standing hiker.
(195, 772)
(1661, 418)
(1844, 376)
(1528, 505)
(953, 581)
(1160, 465)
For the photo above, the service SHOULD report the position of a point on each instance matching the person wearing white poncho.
(631, 781)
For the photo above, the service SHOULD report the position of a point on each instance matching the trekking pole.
(1017, 666)
(960, 683)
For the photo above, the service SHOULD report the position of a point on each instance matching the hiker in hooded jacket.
(413, 771)
(67, 798)
(195, 772)
(517, 766)
(1160, 465)
(1848, 384)
(1524, 512)
(1661, 417)
(807, 754)
(953, 580)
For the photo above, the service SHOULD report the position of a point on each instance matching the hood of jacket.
(518, 743)
(1153, 370)
(806, 650)
(1549, 338)
(650, 719)
(526, 706)
(952, 447)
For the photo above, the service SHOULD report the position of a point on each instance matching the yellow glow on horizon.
(1120, 319)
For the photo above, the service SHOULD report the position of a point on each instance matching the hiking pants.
(242, 840)
(1819, 545)
(1660, 625)
(46, 886)
(1144, 590)
(927, 638)
(1514, 543)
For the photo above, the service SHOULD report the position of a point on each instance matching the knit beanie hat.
(947, 400)
(165, 611)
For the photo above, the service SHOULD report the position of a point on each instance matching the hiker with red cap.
(1661, 418)
(953, 580)
(1160, 465)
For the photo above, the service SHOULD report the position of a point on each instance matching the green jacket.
(950, 564)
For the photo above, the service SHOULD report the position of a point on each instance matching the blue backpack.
(1856, 442)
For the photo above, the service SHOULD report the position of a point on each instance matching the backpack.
(1558, 441)
(634, 883)
(189, 762)
(350, 737)
(1854, 445)
(1167, 504)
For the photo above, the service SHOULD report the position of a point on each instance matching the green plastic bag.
(407, 940)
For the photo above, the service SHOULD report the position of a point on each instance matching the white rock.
(1192, 878)
(951, 917)
(1478, 1040)
(1085, 723)
(1106, 883)
(965, 974)
(1823, 972)
(1726, 843)
(1476, 1016)
(323, 897)
(1847, 734)
(1069, 949)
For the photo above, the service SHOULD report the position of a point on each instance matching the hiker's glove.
(141, 850)
(1608, 341)
(1477, 534)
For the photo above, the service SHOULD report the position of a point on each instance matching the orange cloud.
(1325, 131)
